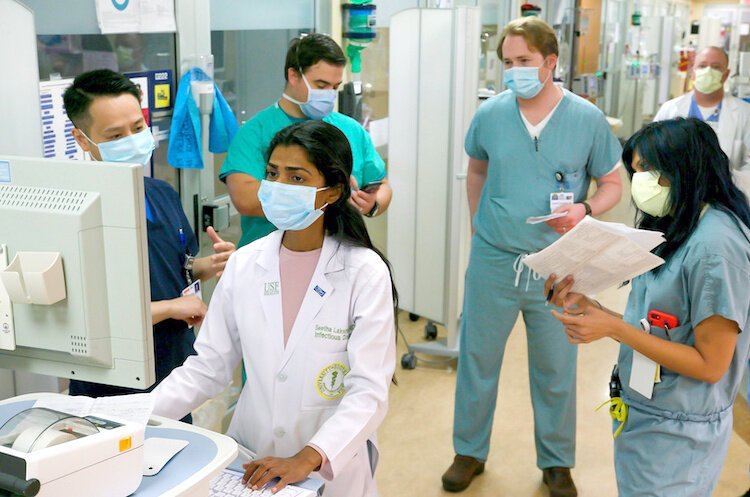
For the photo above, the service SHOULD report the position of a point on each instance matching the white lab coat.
(733, 130)
(294, 395)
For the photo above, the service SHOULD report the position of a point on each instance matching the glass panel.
(262, 15)
(68, 55)
(249, 71)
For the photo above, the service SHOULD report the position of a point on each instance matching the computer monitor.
(75, 295)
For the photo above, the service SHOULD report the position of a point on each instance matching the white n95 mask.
(648, 195)
(707, 80)
(134, 149)
(289, 207)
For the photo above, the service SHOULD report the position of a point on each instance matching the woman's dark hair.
(308, 50)
(328, 149)
(688, 154)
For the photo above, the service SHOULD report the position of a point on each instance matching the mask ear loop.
(90, 141)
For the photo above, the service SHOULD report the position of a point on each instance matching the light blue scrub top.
(707, 276)
(247, 154)
(577, 141)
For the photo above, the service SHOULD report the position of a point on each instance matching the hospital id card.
(193, 288)
(558, 199)
(644, 371)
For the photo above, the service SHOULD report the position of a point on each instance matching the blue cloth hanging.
(185, 135)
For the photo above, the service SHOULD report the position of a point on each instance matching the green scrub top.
(247, 154)
(577, 142)
(707, 276)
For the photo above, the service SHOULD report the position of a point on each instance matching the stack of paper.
(135, 408)
(598, 255)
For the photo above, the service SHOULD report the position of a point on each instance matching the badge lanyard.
(561, 197)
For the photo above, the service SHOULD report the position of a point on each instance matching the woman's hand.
(585, 321)
(562, 296)
(589, 325)
(289, 469)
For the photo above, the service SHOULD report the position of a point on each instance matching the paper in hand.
(544, 219)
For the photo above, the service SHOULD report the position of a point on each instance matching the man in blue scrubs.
(532, 149)
(105, 109)
(314, 70)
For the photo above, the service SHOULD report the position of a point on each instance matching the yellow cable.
(619, 412)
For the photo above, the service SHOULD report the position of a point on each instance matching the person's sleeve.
(218, 348)
(605, 149)
(372, 361)
(472, 143)
(717, 287)
(247, 153)
(373, 168)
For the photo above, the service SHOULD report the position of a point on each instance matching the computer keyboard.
(229, 484)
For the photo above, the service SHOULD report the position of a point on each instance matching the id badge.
(558, 199)
(644, 372)
(193, 288)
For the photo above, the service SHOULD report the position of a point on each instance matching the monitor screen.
(74, 280)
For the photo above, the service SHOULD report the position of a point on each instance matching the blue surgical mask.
(319, 102)
(524, 81)
(133, 149)
(289, 207)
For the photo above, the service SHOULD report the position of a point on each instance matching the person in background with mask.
(689, 315)
(728, 116)
(313, 71)
(532, 149)
(105, 109)
(311, 310)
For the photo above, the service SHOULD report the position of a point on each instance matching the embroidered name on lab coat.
(330, 333)
(271, 288)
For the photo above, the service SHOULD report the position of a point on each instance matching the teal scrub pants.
(493, 297)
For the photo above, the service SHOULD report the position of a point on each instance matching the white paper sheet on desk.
(598, 255)
(135, 408)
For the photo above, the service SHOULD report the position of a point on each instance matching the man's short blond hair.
(538, 34)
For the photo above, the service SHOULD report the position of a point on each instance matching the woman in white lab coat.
(319, 361)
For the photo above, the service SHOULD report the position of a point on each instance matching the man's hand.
(188, 308)
(575, 213)
(362, 201)
(207, 267)
(222, 251)
(289, 469)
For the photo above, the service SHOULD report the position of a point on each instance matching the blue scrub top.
(577, 142)
(247, 154)
(167, 251)
(707, 276)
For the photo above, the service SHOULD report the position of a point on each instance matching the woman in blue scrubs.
(674, 443)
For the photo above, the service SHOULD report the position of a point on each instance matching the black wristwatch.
(587, 207)
(374, 211)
